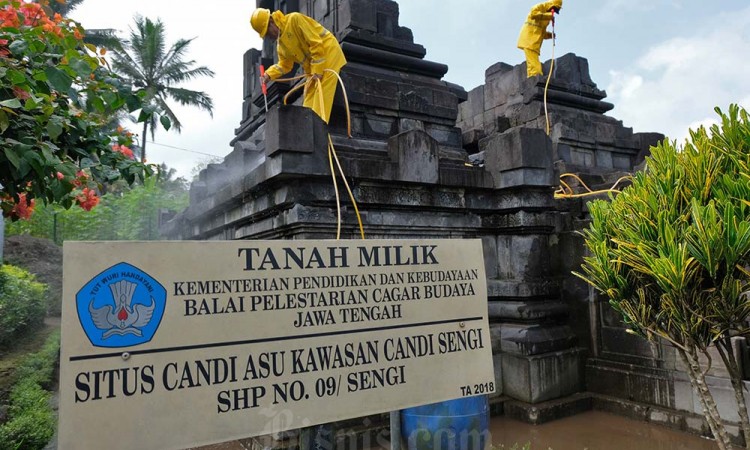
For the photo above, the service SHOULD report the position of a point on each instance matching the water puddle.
(593, 431)
(588, 431)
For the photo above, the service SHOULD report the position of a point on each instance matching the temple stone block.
(519, 157)
(540, 378)
(416, 154)
(294, 129)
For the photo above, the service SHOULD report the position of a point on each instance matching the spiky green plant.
(671, 252)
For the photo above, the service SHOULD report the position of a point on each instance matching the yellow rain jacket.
(534, 32)
(304, 41)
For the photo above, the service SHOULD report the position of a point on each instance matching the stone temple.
(429, 160)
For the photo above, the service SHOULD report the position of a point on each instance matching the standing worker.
(534, 31)
(304, 41)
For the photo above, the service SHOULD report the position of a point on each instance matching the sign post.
(169, 345)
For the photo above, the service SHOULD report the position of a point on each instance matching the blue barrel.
(461, 424)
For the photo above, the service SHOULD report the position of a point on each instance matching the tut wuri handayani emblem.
(121, 307)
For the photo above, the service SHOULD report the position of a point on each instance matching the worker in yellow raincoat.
(534, 31)
(304, 41)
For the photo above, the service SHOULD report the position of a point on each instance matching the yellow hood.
(551, 3)
(280, 19)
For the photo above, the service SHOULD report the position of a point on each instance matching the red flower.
(9, 17)
(124, 150)
(20, 93)
(60, 176)
(87, 199)
(81, 178)
(23, 209)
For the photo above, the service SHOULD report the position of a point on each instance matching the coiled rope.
(565, 191)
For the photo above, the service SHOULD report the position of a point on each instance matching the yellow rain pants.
(304, 41)
(534, 32)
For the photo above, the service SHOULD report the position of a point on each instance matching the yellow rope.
(346, 183)
(346, 102)
(338, 198)
(316, 83)
(333, 156)
(293, 90)
(305, 85)
(298, 77)
(565, 191)
(319, 86)
(549, 77)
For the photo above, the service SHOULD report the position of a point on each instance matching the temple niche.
(429, 160)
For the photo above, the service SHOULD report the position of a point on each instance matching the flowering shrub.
(57, 97)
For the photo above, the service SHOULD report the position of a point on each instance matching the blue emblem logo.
(121, 307)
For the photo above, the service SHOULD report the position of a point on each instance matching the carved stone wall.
(428, 160)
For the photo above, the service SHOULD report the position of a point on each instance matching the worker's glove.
(265, 78)
(317, 77)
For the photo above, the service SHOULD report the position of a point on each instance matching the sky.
(665, 64)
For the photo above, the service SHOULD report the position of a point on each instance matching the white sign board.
(168, 345)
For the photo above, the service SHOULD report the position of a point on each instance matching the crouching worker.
(534, 32)
(302, 40)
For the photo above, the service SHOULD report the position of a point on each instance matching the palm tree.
(145, 61)
(62, 7)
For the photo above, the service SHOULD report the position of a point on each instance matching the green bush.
(23, 302)
(40, 367)
(31, 421)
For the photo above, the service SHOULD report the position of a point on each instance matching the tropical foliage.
(146, 62)
(56, 95)
(672, 251)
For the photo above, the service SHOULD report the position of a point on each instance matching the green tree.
(672, 251)
(62, 7)
(56, 94)
(146, 62)
(169, 182)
